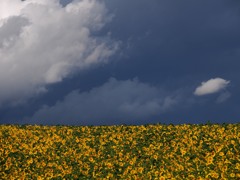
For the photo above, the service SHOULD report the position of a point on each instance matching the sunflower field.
(186, 151)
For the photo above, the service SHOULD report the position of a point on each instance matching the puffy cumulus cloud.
(211, 86)
(42, 42)
(118, 101)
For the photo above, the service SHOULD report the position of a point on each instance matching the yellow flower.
(39, 178)
(191, 176)
(237, 166)
(221, 154)
(140, 169)
(162, 178)
(183, 151)
(181, 167)
(155, 156)
(131, 162)
(133, 171)
(120, 154)
(121, 164)
(91, 159)
(215, 175)
(209, 160)
(30, 161)
(110, 175)
(232, 175)
(238, 175)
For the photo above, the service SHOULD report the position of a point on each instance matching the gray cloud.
(122, 101)
(42, 42)
(223, 97)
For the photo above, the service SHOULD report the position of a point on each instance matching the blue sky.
(118, 62)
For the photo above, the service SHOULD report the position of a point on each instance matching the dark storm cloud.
(114, 102)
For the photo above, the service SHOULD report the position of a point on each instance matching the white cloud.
(211, 86)
(122, 101)
(42, 42)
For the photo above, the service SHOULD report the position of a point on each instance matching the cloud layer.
(211, 86)
(121, 101)
(42, 42)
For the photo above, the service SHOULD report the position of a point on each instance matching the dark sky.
(120, 62)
